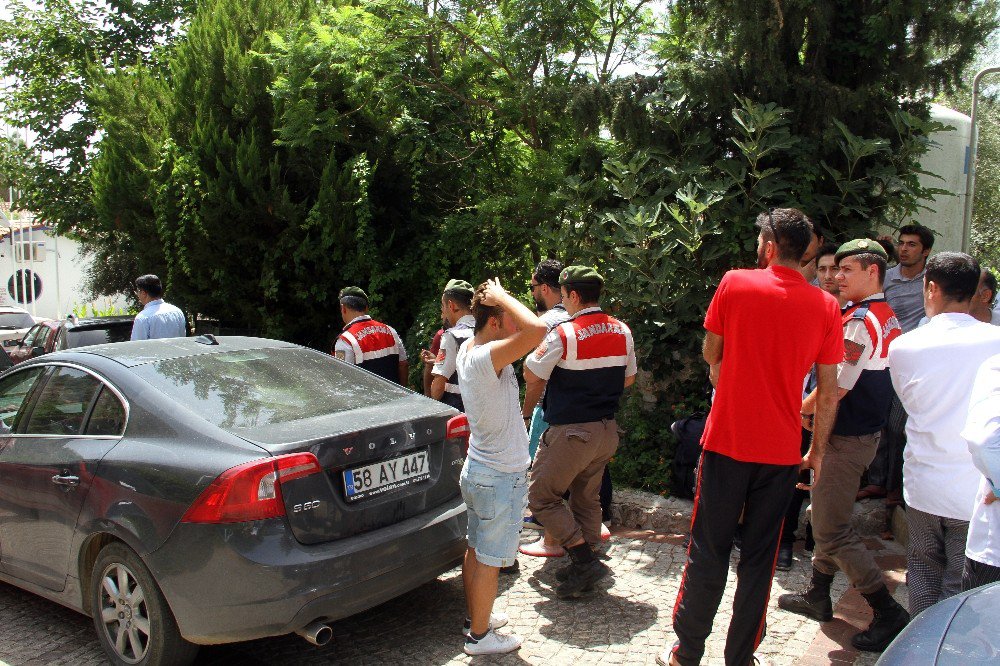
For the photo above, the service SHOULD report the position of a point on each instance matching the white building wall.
(59, 266)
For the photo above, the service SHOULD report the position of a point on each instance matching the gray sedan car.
(194, 491)
(963, 630)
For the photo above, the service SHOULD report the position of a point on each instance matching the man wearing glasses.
(158, 318)
(764, 330)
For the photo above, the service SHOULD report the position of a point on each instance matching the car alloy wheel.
(124, 613)
(133, 620)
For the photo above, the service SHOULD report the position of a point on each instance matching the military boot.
(814, 602)
(890, 619)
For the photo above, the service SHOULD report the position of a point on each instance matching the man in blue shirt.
(158, 318)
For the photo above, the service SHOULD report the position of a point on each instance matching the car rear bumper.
(228, 583)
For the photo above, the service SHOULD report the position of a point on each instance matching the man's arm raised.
(530, 329)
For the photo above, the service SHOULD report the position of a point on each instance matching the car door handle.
(66, 480)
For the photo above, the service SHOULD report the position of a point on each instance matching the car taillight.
(458, 428)
(251, 491)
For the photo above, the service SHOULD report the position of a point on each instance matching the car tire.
(132, 619)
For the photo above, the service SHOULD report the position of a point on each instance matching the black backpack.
(687, 454)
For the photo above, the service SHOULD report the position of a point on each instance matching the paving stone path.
(627, 622)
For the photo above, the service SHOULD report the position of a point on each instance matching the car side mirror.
(37, 351)
(11, 343)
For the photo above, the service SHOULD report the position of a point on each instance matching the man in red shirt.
(765, 330)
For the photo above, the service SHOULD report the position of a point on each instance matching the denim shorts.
(496, 502)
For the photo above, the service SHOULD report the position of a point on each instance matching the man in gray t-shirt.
(494, 479)
(904, 283)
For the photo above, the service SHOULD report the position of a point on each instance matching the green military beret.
(459, 286)
(860, 246)
(574, 274)
(353, 291)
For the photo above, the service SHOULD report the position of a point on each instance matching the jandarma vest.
(374, 347)
(864, 409)
(589, 379)
(452, 393)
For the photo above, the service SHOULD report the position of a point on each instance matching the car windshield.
(10, 321)
(98, 336)
(257, 388)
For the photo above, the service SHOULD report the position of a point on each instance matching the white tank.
(947, 160)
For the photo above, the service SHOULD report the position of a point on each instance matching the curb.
(641, 510)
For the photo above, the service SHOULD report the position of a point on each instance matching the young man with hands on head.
(494, 480)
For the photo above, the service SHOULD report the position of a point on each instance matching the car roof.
(11, 309)
(139, 352)
(98, 322)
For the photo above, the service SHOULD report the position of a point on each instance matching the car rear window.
(10, 321)
(98, 336)
(256, 388)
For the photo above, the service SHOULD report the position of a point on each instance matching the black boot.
(814, 602)
(784, 562)
(890, 619)
(585, 570)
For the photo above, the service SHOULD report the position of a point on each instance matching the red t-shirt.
(436, 342)
(774, 327)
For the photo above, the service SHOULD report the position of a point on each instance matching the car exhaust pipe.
(318, 633)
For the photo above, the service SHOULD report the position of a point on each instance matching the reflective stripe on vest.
(374, 347)
(460, 333)
(589, 379)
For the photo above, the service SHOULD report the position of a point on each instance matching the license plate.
(382, 477)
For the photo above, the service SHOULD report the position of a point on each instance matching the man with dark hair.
(807, 264)
(904, 293)
(547, 296)
(456, 310)
(158, 319)
(904, 282)
(752, 445)
(982, 302)
(933, 369)
(587, 363)
(863, 387)
(826, 279)
(826, 271)
(370, 344)
(494, 479)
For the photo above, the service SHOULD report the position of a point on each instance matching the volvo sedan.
(196, 491)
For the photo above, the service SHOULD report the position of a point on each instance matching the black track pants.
(725, 487)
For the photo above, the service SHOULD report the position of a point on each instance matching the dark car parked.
(963, 630)
(49, 336)
(200, 490)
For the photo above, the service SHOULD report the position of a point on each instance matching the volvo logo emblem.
(371, 446)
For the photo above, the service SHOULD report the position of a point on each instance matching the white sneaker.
(497, 620)
(492, 643)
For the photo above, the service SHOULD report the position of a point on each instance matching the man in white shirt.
(986, 295)
(494, 479)
(158, 318)
(982, 432)
(932, 370)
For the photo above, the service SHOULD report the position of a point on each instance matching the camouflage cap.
(353, 291)
(860, 246)
(575, 274)
(459, 286)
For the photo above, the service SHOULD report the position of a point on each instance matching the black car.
(199, 490)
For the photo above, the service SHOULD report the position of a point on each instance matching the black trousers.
(977, 574)
(798, 498)
(726, 488)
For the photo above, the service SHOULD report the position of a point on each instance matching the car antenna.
(206, 339)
